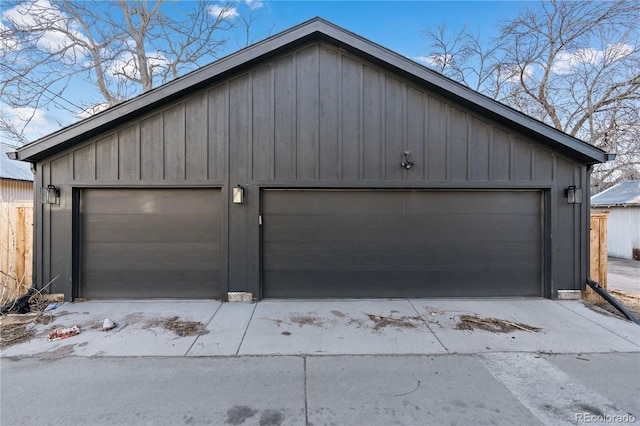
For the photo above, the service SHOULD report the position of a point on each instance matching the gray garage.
(312, 164)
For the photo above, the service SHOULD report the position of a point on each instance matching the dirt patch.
(382, 321)
(358, 323)
(277, 321)
(131, 318)
(271, 417)
(45, 319)
(601, 309)
(493, 325)
(61, 352)
(238, 414)
(20, 316)
(630, 302)
(301, 320)
(14, 334)
(184, 328)
(338, 314)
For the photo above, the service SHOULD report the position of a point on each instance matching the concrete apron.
(347, 362)
(329, 327)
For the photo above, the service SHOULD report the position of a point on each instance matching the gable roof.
(622, 194)
(12, 169)
(314, 29)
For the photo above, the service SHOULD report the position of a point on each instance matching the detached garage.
(312, 164)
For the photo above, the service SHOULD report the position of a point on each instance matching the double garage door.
(402, 243)
(166, 243)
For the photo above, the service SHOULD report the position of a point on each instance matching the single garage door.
(357, 243)
(150, 243)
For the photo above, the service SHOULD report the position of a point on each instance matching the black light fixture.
(573, 194)
(406, 163)
(50, 195)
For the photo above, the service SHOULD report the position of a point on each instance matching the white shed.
(16, 178)
(623, 203)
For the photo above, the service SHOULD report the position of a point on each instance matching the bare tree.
(463, 57)
(247, 20)
(573, 65)
(115, 50)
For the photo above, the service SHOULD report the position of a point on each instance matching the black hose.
(609, 298)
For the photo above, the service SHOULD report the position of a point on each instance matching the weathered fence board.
(598, 261)
(16, 248)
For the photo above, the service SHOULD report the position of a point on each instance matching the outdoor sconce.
(406, 163)
(50, 195)
(573, 194)
(238, 195)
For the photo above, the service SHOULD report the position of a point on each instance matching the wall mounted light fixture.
(50, 195)
(238, 195)
(573, 194)
(406, 163)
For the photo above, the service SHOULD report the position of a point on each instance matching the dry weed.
(184, 328)
(382, 321)
(493, 325)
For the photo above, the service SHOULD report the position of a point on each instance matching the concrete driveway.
(331, 327)
(347, 362)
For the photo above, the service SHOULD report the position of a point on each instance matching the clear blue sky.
(397, 25)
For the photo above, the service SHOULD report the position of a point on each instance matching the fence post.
(598, 259)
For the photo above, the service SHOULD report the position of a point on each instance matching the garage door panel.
(485, 202)
(351, 255)
(136, 255)
(367, 202)
(298, 229)
(147, 243)
(157, 228)
(144, 201)
(441, 243)
(359, 284)
(131, 284)
(313, 202)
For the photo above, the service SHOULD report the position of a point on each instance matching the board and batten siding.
(299, 118)
(314, 117)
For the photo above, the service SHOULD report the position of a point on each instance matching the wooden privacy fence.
(598, 260)
(16, 246)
